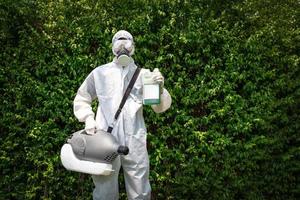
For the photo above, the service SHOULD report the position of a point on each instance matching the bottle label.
(151, 94)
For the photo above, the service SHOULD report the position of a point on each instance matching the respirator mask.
(123, 47)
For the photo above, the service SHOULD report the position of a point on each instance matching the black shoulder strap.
(125, 96)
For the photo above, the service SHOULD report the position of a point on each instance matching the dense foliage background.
(232, 68)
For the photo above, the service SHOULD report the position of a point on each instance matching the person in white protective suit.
(108, 83)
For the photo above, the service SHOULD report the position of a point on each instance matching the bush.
(232, 68)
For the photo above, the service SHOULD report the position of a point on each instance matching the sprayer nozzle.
(123, 150)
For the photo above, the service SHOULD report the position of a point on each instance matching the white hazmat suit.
(108, 83)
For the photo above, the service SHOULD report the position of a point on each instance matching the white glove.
(158, 78)
(90, 125)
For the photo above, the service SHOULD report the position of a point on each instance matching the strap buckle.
(109, 129)
(111, 126)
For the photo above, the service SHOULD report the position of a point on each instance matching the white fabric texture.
(122, 34)
(108, 83)
(90, 125)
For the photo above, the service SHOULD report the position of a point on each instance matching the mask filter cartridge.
(123, 57)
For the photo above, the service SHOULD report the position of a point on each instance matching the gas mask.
(123, 47)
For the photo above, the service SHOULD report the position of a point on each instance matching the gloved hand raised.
(90, 125)
(158, 78)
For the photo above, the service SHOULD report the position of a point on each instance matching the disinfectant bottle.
(151, 89)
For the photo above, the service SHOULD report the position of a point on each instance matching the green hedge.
(232, 68)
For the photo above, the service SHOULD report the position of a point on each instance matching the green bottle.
(151, 89)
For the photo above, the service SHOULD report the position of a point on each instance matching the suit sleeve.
(83, 99)
(165, 102)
